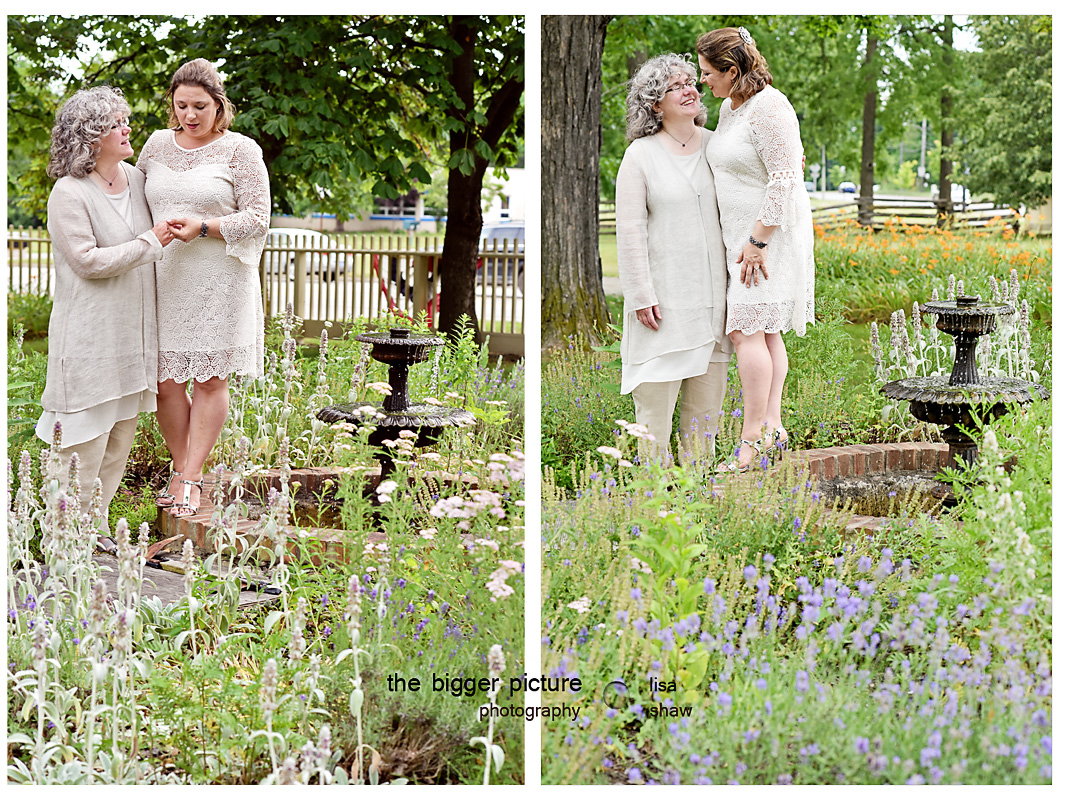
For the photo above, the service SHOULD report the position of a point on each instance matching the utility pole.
(922, 155)
(824, 171)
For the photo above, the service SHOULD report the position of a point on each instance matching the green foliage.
(873, 274)
(26, 373)
(344, 108)
(790, 652)
(1009, 153)
(228, 693)
(31, 310)
(354, 121)
(580, 402)
(819, 63)
(1006, 518)
(825, 401)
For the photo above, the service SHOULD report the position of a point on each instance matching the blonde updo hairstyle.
(81, 123)
(724, 48)
(648, 87)
(199, 72)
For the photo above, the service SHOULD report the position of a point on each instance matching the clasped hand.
(752, 264)
(184, 228)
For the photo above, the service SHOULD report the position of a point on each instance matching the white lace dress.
(755, 153)
(208, 299)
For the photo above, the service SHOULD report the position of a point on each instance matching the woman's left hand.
(752, 264)
(184, 228)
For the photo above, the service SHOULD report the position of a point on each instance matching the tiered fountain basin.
(316, 508)
(963, 399)
(399, 350)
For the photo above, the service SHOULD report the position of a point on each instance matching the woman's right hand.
(163, 232)
(648, 317)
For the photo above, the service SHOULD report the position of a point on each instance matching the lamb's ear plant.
(924, 351)
(494, 753)
(354, 624)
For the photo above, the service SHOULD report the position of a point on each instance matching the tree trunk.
(870, 107)
(572, 288)
(944, 182)
(634, 61)
(459, 257)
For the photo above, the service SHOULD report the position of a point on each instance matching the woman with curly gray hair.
(672, 262)
(102, 332)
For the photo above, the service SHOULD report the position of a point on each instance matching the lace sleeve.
(631, 217)
(245, 231)
(776, 135)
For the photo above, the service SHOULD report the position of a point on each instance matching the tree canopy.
(345, 107)
(820, 63)
(1007, 121)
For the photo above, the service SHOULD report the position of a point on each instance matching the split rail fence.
(909, 211)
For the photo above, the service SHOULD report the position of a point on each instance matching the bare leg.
(780, 366)
(755, 368)
(207, 415)
(172, 414)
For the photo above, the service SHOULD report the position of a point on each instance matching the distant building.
(407, 212)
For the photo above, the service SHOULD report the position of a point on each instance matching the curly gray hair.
(648, 87)
(81, 123)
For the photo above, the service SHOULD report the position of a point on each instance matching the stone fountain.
(964, 398)
(400, 351)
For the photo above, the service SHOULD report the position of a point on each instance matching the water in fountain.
(964, 398)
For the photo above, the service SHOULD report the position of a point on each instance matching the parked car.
(323, 252)
(21, 238)
(809, 185)
(514, 233)
(847, 186)
(958, 193)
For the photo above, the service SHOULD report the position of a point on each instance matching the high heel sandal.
(184, 508)
(734, 467)
(781, 441)
(165, 499)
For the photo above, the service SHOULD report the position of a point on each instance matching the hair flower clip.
(746, 37)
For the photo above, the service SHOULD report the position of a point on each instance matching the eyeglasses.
(689, 84)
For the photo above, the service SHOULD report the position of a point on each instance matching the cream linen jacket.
(102, 341)
(671, 253)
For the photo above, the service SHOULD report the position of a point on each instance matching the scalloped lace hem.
(182, 367)
(770, 318)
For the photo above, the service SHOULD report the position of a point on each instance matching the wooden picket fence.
(359, 275)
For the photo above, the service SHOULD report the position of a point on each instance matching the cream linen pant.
(702, 398)
(103, 457)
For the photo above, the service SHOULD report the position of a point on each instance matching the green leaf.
(272, 620)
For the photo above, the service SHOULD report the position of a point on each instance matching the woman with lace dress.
(756, 155)
(211, 185)
(671, 260)
(102, 330)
